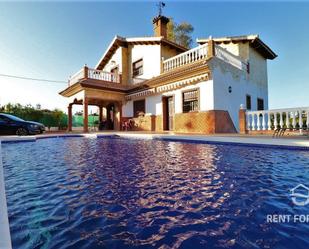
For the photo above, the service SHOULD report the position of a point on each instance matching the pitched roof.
(119, 41)
(254, 41)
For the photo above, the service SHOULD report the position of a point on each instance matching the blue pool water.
(127, 193)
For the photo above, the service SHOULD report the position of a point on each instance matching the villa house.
(164, 86)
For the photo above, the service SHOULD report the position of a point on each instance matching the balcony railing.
(290, 118)
(187, 57)
(201, 52)
(89, 73)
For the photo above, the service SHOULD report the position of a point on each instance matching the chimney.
(160, 26)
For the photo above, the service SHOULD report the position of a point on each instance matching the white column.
(263, 121)
(300, 121)
(269, 121)
(253, 122)
(275, 121)
(258, 122)
(281, 120)
(294, 120)
(287, 120)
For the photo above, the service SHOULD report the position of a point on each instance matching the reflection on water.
(124, 193)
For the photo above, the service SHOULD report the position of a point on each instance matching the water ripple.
(123, 193)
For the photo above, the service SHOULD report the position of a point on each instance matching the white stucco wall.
(117, 58)
(151, 55)
(127, 109)
(153, 104)
(224, 76)
(258, 68)
(206, 96)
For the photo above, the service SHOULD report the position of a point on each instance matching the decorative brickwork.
(159, 123)
(209, 122)
(242, 121)
(143, 123)
(223, 122)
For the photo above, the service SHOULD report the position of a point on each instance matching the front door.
(170, 104)
(168, 112)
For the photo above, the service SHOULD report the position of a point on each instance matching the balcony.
(203, 52)
(94, 75)
(198, 54)
(185, 58)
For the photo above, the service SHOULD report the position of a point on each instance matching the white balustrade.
(187, 57)
(300, 120)
(101, 75)
(275, 121)
(94, 74)
(281, 120)
(268, 119)
(253, 122)
(287, 120)
(294, 119)
(263, 122)
(258, 125)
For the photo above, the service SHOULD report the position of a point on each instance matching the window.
(2, 120)
(138, 107)
(248, 102)
(260, 104)
(190, 101)
(138, 68)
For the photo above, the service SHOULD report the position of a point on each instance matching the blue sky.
(54, 40)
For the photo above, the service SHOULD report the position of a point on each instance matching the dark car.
(11, 125)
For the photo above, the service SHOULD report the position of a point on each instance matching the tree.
(58, 116)
(180, 33)
(171, 30)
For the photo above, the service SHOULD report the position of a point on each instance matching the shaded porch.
(109, 113)
(108, 103)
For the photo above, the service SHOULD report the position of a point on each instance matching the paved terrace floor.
(299, 141)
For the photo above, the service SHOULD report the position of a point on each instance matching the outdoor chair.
(128, 125)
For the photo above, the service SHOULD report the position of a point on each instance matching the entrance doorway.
(168, 113)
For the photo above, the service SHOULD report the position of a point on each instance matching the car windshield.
(12, 117)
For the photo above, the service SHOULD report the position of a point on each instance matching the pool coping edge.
(242, 141)
(5, 242)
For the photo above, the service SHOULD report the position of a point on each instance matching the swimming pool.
(134, 193)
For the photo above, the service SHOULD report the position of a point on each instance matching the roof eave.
(266, 51)
(254, 40)
(118, 41)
